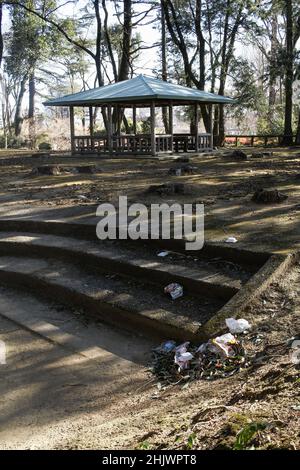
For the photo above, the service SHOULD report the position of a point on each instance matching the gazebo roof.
(139, 90)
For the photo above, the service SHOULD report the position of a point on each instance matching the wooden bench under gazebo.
(139, 92)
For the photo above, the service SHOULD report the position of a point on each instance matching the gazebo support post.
(153, 139)
(134, 119)
(72, 131)
(171, 125)
(118, 113)
(91, 125)
(196, 127)
(118, 119)
(109, 128)
(212, 127)
(114, 125)
(212, 109)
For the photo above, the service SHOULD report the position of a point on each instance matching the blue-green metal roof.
(141, 89)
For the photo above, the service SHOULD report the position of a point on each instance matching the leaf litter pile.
(220, 357)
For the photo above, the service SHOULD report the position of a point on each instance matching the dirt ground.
(224, 185)
(51, 399)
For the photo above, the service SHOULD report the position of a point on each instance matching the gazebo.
(139, 92)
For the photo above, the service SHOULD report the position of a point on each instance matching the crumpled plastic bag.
(202, 348)
(162, 254)
(182, 356)
(223, 345)
(231, 240)
(182, 348)
(167, 346)
(237, 326)
(182, 360)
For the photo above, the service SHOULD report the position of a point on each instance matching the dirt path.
(50, 393)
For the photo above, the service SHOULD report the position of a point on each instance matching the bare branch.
(53, 23)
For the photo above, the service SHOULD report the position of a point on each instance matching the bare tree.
(289, 78)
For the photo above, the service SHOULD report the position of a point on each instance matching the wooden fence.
(251, 140)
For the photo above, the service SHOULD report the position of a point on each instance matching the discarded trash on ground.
(217, 358)
(182, 356)
(174, 289)
(163, 254)
(265, 196)
(237, 326)
(224, 346)
(231, 240)
(166, 347)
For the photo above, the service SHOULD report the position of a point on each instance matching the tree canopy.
(245, 48)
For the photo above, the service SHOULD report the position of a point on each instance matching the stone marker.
(48, 170)
(171, 188)
(237, 155)
(264, 196)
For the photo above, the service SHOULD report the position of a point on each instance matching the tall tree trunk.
(98, 55)
(125, 63)
(272, 74)
(164, 63)
(5, 111)
(31, 107)
(108, 42)
(201, 43)
(201, 46)
(297, 141)
(288, 132)
(216, 125)
(18, 118)
(219, 124)
(1, 78)
(227, 50)
(1, 37)
(223, 74)
(272, 78)
(31, 95)
(126, 42)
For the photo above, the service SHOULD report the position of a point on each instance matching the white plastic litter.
(183, 360)
(237, 326)
(182, 348)
(163, 254)
(202, 348)
(231, 240)
(222, 345)
(182, 357)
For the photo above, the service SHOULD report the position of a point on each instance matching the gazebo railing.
(187, 142)
(164, 143)
(131, 143)
(204, 141)
(141, 143)
(87, 144)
